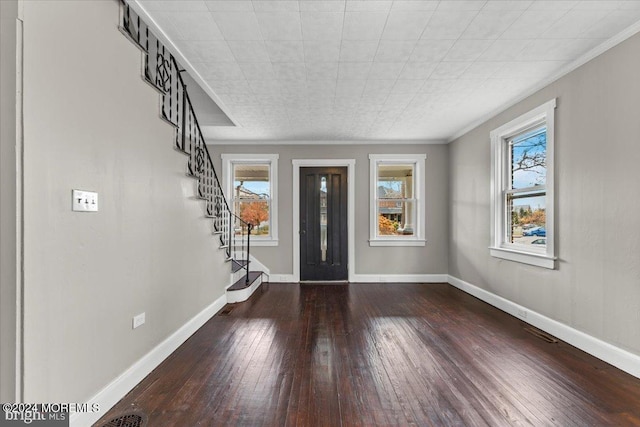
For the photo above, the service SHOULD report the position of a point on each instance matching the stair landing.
(241, 290)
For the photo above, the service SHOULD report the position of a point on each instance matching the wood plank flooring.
(378, 355)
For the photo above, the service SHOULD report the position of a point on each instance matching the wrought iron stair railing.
(162, 71)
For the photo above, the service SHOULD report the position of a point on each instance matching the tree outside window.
(251, 183)
(396, 204)
(522, 220)
(526, 195)
(252, 195)
(397, 200)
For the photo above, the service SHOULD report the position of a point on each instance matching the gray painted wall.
(92, 123)
(430, 259)
(596, 287)
(8, 16)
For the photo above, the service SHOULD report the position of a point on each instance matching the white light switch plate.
(84, 201)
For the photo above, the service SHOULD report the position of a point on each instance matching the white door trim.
(19, 337)
(350, 164)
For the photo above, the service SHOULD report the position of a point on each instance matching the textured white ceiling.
(375, 69)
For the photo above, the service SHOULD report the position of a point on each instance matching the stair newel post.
(249, 228)
(230, 241)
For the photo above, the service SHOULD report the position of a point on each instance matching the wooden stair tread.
(242, 284)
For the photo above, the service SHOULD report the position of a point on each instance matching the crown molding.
(572, 66)
(325, 142)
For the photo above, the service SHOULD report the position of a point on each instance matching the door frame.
(350, 165)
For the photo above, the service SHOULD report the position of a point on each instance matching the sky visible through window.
(253, 177)
(257, 187)
(394, 178)
(391, 184)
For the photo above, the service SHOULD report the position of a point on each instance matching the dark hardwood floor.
(378, 355)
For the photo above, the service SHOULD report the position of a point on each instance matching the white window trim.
(227, 185)
(418, 239)
(499, 248)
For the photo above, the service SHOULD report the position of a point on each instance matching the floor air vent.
(226, 311)
(542, 335)
(127, 420)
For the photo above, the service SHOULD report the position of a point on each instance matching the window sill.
(397, 242)
(265, 242)
(538, 260)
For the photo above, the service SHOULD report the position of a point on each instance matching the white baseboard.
(375, 278)
(400, 278)
(118, 388)
(282, 278)
(620, 358)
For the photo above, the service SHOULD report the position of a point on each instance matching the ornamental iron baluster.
(200, 170)
(126, 18)
(184, 108)
(163, 72)
(191, 144)
(146, 57)
(210, 182)
(178, 103)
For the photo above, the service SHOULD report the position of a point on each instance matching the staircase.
(161, 71)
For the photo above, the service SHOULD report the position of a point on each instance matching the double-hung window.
(397, 200)
(250, 183)
(522, 226)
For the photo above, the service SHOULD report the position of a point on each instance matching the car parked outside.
(540, 232)
(535, 231)
(539, 242)
(528, 231)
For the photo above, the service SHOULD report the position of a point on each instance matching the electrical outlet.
(138, 320)
(84, 201)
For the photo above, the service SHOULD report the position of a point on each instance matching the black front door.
(323, 223)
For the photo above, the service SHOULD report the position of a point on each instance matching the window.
(250, 185)
(522, 227)
(397, 198)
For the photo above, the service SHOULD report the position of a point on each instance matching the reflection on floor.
(378, 355)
